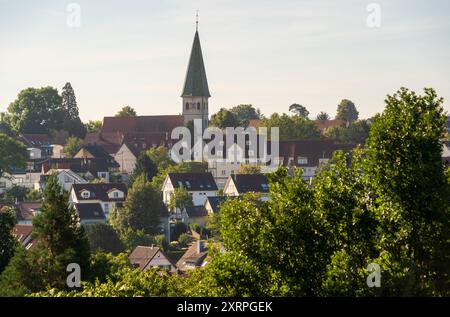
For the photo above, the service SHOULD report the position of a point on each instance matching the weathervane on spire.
(196, 22)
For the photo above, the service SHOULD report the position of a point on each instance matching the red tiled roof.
(25, 209)
(142, 124)
(322, 125)
(22, 232)
(313, 150)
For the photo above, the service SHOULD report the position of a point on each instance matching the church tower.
(196, 92)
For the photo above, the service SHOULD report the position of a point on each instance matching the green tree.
(292, 127)
(244, 113)
(106, 266)
(232, 274)
(347, 111)
(283, 236)
(94, 126)
(19, 278)
(60, 239)
(36, 110)
(104, 238)
(7, 239)
(144, 165)
(249, 169)
(323, 116)
(142, 209)
(223, 119)
(126, 111)
(340, 191)
(5, 127)
(180, 199)
(299, 110)
(33, 196)
(73, 145)
(71, 122)
(16, 193)
(12, 153)
(160, 156)
(410, 189)
(356, 132)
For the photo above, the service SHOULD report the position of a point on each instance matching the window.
(102, 175)
(302, 160)
(85, 194)
(323, 161)
(224, 172)
(106, 207)
(116, 194)
(198, 105)
(187, 106)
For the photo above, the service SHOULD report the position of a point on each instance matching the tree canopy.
(347, 111)
(12, 153)
(126, 111)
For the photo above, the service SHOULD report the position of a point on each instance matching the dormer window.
(85, 194)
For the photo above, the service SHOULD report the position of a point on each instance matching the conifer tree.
(59, 237)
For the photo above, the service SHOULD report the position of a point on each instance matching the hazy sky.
(267, 53)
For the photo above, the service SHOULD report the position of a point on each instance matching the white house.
(240, 184)
(126, 157)
(199, 185)
(107, 195)
(144, 258)
(66, 178)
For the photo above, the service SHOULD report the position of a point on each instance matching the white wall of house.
(198, 197)
(230, 189)
(160, 260)
(107, 206)
(126, 159)
(26, 180)
(167, 191)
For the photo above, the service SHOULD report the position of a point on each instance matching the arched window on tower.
(198, 105)
(187, 105)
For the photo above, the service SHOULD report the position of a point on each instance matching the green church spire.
(196, 84)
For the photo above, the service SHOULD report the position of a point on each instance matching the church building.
(143, 132)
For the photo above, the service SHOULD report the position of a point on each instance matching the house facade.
(109, 196)
(147, 257)
(240, 184)
(198, 185)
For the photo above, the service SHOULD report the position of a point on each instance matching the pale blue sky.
(268, 53)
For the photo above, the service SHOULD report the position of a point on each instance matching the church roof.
(196, 84)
